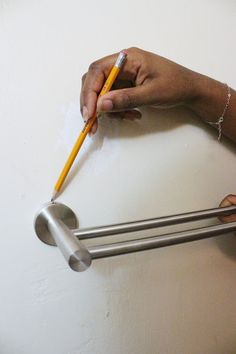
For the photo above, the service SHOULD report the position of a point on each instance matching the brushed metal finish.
(61, 212)
(56, 224)
(125, 247)
(133, 226)
(52, 227)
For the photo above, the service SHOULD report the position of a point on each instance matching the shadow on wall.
(227, 244)
(153, 121)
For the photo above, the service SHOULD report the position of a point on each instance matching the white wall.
(175, 300)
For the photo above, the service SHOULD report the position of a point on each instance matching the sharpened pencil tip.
(54, 195)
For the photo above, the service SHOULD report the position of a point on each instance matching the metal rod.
(142, 244)
(75, 253)
(151, 223)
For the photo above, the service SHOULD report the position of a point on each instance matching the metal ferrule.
(120, 60)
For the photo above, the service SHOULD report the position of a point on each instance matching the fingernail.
(93, 130)
(106, 106)
(85, 113)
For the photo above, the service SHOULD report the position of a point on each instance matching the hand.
(145, 79)
(227, 201)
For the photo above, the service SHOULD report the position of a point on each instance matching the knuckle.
(230, 198)
(126, 100)
(134, 49)
(83, 77)
(94, 66)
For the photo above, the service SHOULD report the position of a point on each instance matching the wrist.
(208, 97)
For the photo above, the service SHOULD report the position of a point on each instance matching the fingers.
(127, 99)
(227, 201)
(89, 93)
(92, 83)
(94, 127)
(93, 80)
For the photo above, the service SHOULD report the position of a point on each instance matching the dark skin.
(149, 79)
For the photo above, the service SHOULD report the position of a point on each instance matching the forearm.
(210, 101)
(149, 79)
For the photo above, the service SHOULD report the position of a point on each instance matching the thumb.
(126, 99)
(227, 201)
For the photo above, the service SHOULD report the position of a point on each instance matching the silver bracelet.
(221, 119)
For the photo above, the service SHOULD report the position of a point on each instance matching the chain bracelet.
(221, 119)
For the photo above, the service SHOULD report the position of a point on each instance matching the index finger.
(92, 84)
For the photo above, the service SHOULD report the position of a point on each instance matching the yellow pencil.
(88, 125)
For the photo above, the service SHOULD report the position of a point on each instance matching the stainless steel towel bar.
(56, 224)
(133, 226)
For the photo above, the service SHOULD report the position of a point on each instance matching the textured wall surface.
(175, 300)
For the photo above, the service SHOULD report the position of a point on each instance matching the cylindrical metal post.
(51, 227)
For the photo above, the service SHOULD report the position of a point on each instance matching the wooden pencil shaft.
(88, 125)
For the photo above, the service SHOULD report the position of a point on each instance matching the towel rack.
(56, 224)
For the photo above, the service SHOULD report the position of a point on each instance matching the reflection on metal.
(56, 224)
(53, 226)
